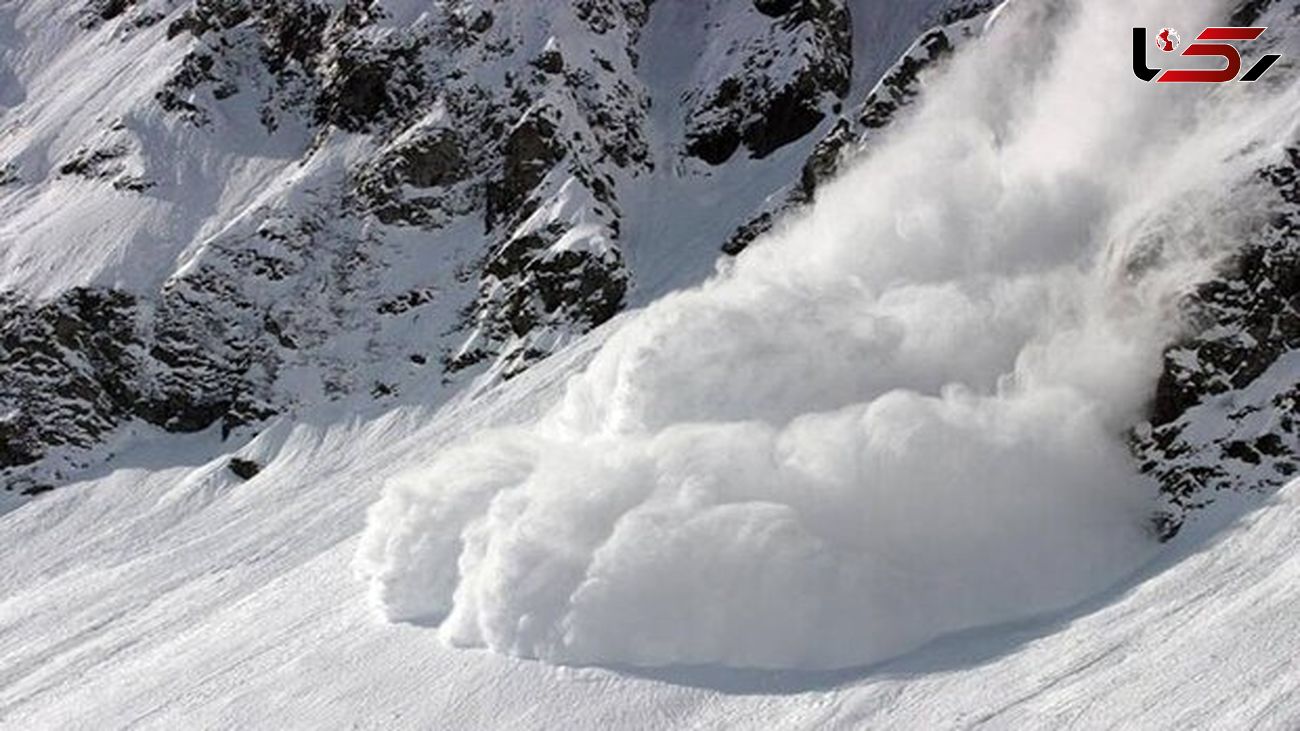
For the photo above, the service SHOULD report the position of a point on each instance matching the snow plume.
(902, 415)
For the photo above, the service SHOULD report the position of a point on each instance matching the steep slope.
(1222, 418)
(248, 208)
(191, 580)
(900, 415)
(171, 593)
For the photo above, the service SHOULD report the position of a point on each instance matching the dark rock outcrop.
(898, 89)
(1224, 415)
(244, 469)
(785, 79)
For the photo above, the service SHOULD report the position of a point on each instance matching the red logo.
(1168, 40)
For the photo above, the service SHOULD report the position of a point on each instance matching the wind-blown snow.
(899, 416)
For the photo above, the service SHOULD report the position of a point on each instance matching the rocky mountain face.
(850, 133)
(431, 194)
(1224, 415)
(450, 197)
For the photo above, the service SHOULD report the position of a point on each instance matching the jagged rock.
(132, 183)
(406, 302)
(358, 282)
(897, 89)
(195, 69)
(1249, 11)
(530, 151)
(421, 159)
(1228, 376)
(551, 61)
(244, 469)
(824, 162)
(785, 77)
(315, 61)
(366, 82)
(69, 372)
(433, 162)
(901, 85)
(603, 16)
(716, 143)
(553, 278)
(74, 369)
(775, 8)
(98, 11)
(100, 163)
(747, 233)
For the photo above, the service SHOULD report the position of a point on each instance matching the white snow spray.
(903, 414)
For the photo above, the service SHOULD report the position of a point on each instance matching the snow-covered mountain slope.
(216, 211)
(325, 424)
(171, 593)
(901, 415)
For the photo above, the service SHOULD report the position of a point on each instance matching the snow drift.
(903, 414)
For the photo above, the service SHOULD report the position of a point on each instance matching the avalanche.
(893, 435)
(902, 415)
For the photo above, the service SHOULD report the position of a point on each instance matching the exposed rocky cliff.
(442, 194)
(1224, 416)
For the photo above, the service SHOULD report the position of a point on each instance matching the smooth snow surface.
(901, 416)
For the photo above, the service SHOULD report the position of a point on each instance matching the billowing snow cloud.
(902, 415)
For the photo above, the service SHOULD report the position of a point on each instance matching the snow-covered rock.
(289, 203)
(1224, 412)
